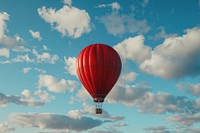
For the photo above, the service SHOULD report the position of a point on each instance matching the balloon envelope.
(98, 68)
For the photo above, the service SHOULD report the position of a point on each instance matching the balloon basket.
(98, 111)
(98, 108)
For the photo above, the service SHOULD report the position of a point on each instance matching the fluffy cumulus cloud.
(55, 85)
(70, 65)
(68, 20)
(36, 35)
(193, 89)
(133, 49)
(4, 52)
(117, 24)
(54, 121)
(5, 127)
(180, 56)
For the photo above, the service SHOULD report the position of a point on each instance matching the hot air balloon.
(98, 67)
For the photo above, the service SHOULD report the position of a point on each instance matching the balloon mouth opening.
(98, 99)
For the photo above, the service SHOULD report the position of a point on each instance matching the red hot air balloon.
(98, 68)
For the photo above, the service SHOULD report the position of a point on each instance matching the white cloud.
(178, 54)
(55, 85)
(4, 52)
(147, 102)
(40, 70)
(45, 57)
(68, 20)
(83, 94)
(54, 121)
(133, 49)
(24, 100)
(68, 2)
(26, 69)
(27, 98)
(22, 58)
(26, 93)
(3, 17)
(194, 89)
(159, 129)
(36, 35)
(71, 65)
(129, 76)
(18, 38)
(10, 42)
(45, 47)
(44, 95)
(115, 6)
(21, 49)
(90, 110)
(5, 127)
(185, 120)
(127, 94)
(117, 24)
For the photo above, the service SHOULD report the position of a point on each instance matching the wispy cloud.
(115, 6)
(5, 127)
(162, 34)
(4, 52)
(184, 120)
(159, 129)
(26, 99)
(193, 89)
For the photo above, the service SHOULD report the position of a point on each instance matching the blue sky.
(158, 89)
